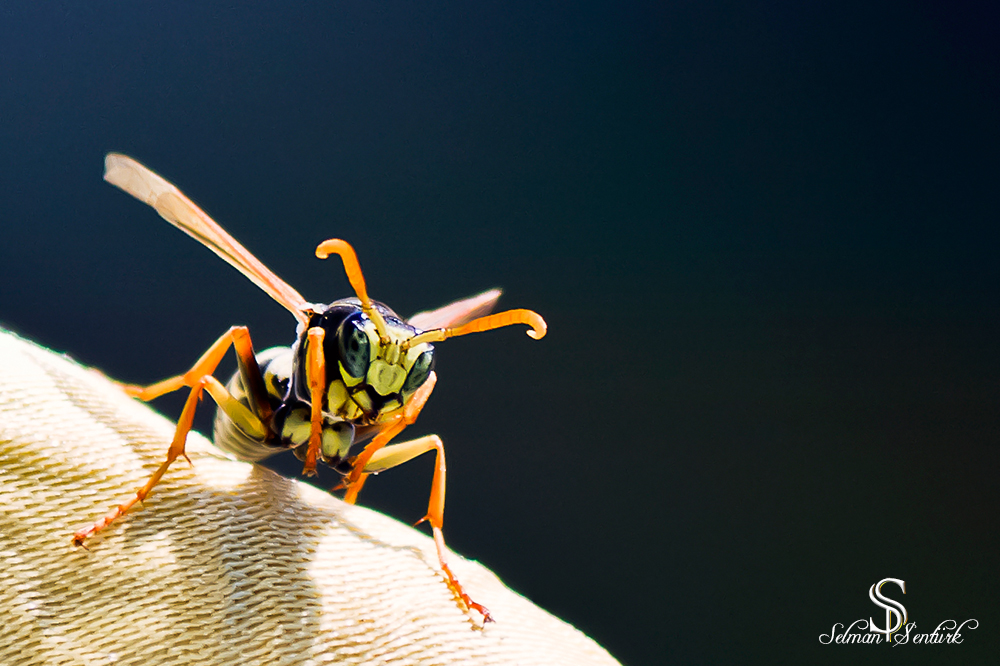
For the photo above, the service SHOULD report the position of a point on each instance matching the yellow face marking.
(351, 411)
(390, 353)
(384, 377)
(390, 364)
(389, 407)
(336, 396)
(413, 353)
(362, 399)
(346, 376)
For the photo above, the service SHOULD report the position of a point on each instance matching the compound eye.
(419, 372)
(355, 348)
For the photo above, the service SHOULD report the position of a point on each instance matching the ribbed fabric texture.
(226, 563)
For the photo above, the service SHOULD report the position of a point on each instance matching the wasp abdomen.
(275, 365)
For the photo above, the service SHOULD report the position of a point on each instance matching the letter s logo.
(892, 607)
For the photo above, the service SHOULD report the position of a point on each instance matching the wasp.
(357, 372)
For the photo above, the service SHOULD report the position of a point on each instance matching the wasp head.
(369, 373)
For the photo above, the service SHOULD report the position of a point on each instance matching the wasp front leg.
(379, 456)
(411, 411)
(316, 379)
(397, 454)
(199, 379)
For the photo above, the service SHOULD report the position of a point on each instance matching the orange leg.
(316, 378)
(377, 456)
(409, 416)
(356, 479)
(199, 378)
(238, 336)
(176, 449)
(397, 454)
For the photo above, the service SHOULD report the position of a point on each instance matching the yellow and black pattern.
(368, 381)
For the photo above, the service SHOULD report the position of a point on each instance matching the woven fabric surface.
(226, 563)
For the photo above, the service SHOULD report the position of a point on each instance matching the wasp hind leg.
(239, 338)
(199, 378)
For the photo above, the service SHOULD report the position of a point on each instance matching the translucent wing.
(457, 313)
(125, 173)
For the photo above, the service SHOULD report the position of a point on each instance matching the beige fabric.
(227, 563)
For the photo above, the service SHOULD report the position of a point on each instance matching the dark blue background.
(763, 236)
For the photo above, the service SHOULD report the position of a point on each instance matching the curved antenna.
(127, 174)
(357, 280)
(487, 323)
